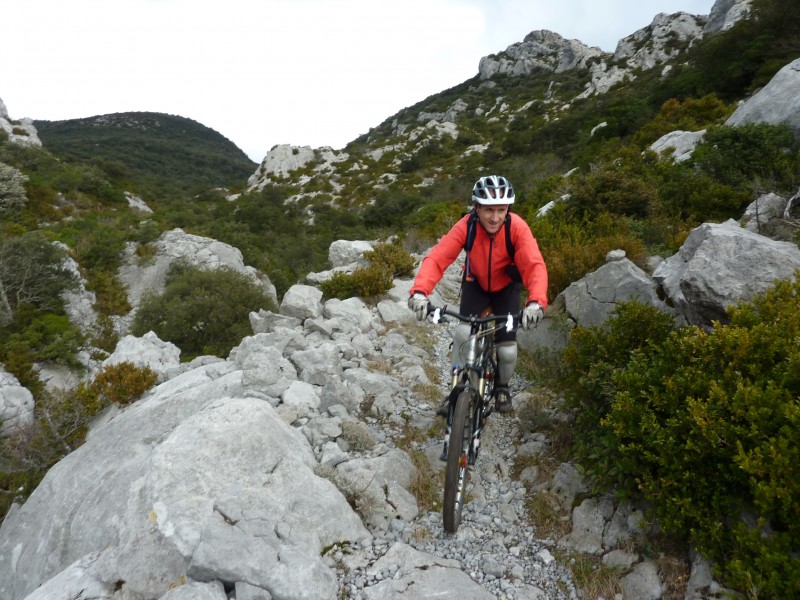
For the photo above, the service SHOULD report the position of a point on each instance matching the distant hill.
(153, 153)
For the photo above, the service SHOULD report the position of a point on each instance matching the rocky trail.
(495, 545)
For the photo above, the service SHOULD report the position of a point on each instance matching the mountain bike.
(472, 388)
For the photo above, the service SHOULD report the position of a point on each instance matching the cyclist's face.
(492, 216)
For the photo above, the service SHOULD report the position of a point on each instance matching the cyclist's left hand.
(531, 316)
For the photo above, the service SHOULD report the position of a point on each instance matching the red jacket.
(488, 259)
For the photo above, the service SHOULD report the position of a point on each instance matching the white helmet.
(493, 190)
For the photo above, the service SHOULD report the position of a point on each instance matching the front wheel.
(457, 472)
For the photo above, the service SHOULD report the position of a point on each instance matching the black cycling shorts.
(474, 300)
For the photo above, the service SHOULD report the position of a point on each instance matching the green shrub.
(364, 282)
(387, 261)
(35, 336)
(111, 297)
(738, 155)
(202, 311)
(693, 114)
(572, 248)
(592, 357)
(706, 424)
(393, 258)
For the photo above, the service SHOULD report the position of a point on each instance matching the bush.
(573, 248)
(387, 261)
(737, 155)
(592, 358)
(693, 114)
(12, 190)
(122, 383)
(364, 282)
(32, 271)
(393, 258)
(707, 426)
(202, 311)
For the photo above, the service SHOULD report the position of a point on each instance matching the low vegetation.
(702, 426)
(202, 311)
(60, 423)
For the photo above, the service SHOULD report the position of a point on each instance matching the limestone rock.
(720, 265)
(776, 103)
(680, 144)
(16, 404)
(725, 14)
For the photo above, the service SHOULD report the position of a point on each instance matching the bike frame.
(470, 403)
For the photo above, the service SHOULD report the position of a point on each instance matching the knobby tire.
(457, 471)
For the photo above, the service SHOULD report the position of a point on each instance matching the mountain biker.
(494, 273)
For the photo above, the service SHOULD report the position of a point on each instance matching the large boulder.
(776, 103)
(195, 482)
(590, 301)
(720, 265)
(148, 351)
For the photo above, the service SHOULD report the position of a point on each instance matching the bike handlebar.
(512, 320)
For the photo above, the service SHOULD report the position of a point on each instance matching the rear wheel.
(457, 472)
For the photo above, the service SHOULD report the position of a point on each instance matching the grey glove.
(418, 302)
(531, 316)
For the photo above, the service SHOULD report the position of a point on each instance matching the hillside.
(573, 128)
(152, 152)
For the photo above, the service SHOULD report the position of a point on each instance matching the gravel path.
(494, 544)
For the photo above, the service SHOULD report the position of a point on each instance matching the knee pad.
(506, 361)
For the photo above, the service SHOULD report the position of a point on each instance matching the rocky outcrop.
(725, 14)
(19, 131)
(205, 462)
(678, 144)
(282, 159)
(777, 103)
(720, 265)
(541, 50)
(201, 252)
(663, 39)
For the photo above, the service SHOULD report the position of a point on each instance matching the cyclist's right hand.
(418, 302)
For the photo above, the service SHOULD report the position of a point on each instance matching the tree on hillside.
(12, 189)
(32, 272)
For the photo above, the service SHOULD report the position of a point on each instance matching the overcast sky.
(265, 72)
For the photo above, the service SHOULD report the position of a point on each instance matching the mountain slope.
(159, 151)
